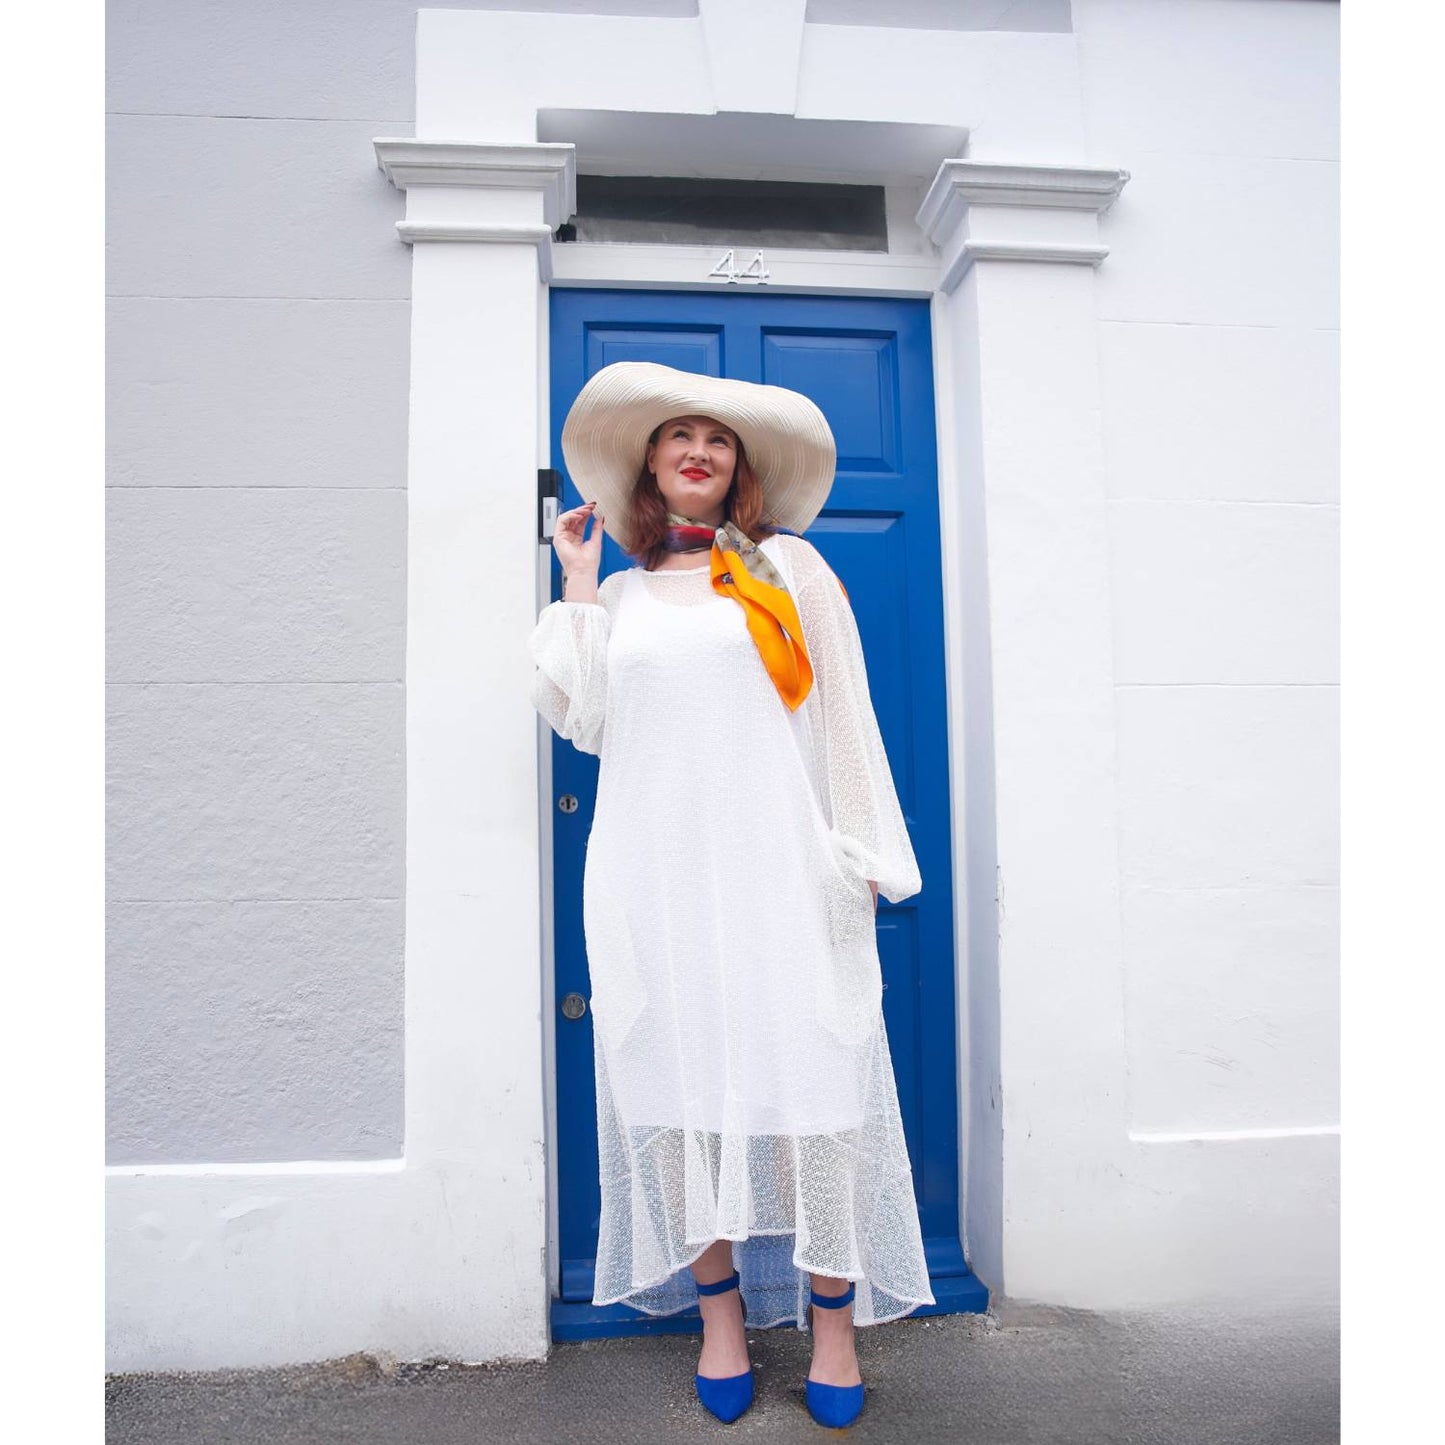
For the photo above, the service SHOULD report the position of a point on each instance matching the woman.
(750, 1145)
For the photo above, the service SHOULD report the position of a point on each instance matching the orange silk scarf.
(771, 613)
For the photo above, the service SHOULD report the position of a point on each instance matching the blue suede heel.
(833, 1405)
(726, 1398)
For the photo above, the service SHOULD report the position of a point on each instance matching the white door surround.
(446, 1251)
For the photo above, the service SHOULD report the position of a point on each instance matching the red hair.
(647, 516)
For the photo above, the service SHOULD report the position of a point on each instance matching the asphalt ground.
(1020, 1375)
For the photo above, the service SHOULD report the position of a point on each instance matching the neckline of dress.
(683, 571)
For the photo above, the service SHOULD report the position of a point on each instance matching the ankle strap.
(721, 1285)
(833, 1301)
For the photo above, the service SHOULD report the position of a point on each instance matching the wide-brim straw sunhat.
(787, 439)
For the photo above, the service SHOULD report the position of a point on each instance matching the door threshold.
(573, 1320)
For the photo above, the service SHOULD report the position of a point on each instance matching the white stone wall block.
(256, 393)
(1227, 592)
(249, 1266)
(230, 206)
(487, 77)
(1237, 1225)
(1228, 786)
(1243, 412)
(1223, 240)
(1218, 77)
(1243, 1223)
(326, 59)
(753, 48)
(251, 1030)
(1018, 95)
(1232, 1007)
(255, 584)
(254, 790)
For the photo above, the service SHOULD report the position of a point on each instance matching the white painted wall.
(257, 323)
(1139, 520)
(1218, 350)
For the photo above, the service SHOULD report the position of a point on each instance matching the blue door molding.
(868, 364)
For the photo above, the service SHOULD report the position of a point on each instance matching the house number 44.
(727, 269)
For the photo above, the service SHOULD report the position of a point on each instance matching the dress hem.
(768, 1324)
(626, 1299)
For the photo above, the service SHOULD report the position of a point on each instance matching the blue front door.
(867, 364)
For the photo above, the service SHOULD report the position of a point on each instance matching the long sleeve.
(569, 689)
(867, 819)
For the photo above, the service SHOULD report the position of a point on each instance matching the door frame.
(1007, 253)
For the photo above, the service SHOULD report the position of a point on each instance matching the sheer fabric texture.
(744, 1085)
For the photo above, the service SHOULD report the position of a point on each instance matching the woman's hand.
(580, 555)
(874, 887)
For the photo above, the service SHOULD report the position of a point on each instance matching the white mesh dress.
(744, 1085)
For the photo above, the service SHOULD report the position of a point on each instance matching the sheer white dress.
(744, 1084)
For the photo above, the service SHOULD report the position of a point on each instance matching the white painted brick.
(1220, 77)
(1018, 94)
(332, 59)
(337, 59)
(254, 790)
(1232, 1007)
(256, 393)
(233, 206)
(255, 584)
(1249, 1223)
(1230, 412)
(1228, 786)
(254, 1030)
(1223, 240)
(1232, 592)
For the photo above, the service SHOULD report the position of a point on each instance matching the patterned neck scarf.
(743, 571)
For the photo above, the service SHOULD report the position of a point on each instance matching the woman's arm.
(867, 818)
(569, 646)
(569, 642)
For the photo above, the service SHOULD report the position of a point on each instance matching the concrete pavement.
(1019, 1375)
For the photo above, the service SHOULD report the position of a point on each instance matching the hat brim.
(788, 441)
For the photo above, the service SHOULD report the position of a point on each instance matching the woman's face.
(694, 458)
